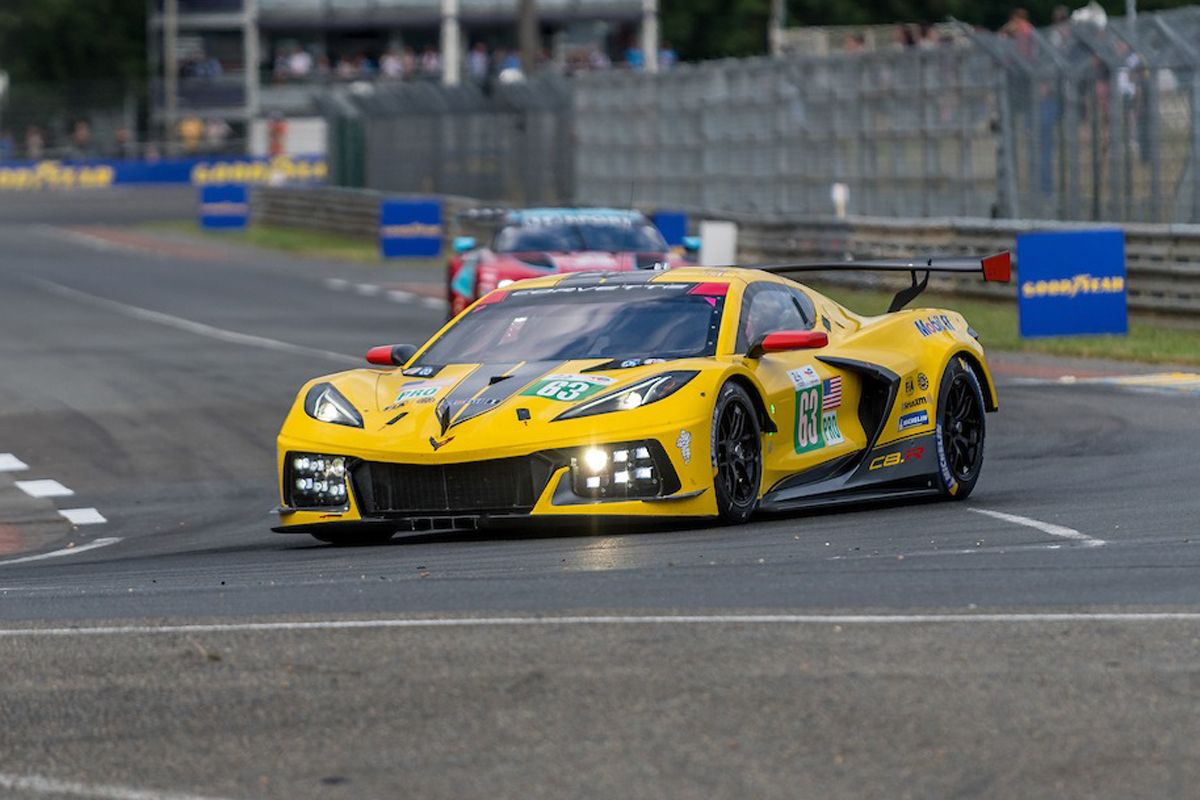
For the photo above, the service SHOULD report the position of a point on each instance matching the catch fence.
(1076, 122)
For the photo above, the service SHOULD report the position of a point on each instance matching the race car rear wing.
(996, 268)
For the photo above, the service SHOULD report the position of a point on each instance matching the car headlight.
(640, 394)
(327, 404)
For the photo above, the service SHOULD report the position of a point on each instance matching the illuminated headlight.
(616, 472)
(325, 403)
(316, 481)
(640, 394)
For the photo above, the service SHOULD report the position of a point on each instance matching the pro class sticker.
(568, 388)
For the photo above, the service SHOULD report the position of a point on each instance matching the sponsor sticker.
(922, 381)
(916, 402)
(804, 377)
(421, 372)
(917, 419)
(568, 388)
(937, 323)
(831, 393)
(684, 443)
(908, 386)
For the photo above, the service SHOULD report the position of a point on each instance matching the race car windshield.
(564, 323)
(567, 236)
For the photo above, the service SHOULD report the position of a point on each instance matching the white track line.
(1059, 531)
(400, 296)
(43, 488)
(82, 516)
(38, 784)
(367, 289)
(433, 302)
(716, 619)
(337, 284)
(66, 551)
(10, 463)
(187, 325)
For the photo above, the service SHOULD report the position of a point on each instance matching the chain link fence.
(1077, 122)
(508, 142)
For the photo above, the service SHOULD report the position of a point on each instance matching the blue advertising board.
(224, 207)
(100, 173)
(410, 228)
(1071, 283)
(673, 226)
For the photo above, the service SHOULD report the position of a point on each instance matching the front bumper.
(464, 494)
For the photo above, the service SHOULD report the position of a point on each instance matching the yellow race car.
(694, 392)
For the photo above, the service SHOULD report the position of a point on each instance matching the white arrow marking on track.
(66, 551)
(38, 784)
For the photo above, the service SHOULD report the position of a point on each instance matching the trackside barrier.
(1162, 261)
(1072, 283)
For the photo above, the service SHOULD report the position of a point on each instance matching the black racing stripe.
(468, 387)
(497, 393)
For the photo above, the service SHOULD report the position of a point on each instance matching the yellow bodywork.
(893, 341)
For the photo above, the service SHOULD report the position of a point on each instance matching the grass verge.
(996, 321)
(299, 241)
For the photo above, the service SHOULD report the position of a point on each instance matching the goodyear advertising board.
(101, 173)
(1071, 283)
(410, 228)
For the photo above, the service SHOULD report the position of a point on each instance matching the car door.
(808, 399)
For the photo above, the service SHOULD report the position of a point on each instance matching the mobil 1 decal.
(817, 402)
(568, 388)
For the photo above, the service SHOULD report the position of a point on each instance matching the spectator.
(598, 59)
(80, 140)
(35, 143)
(1020, 30)
(667, 57)
(391, 66)
(408, 62)
(364, 66)
(324, 69)
(123, 145)
(431, 62)
(929, 37)
(634, 58)
(1060, 33)
(216, 134)
(300, 63)
(855, 43)
(904, 37)
(345, 69)
(191, 132)
(478, 62)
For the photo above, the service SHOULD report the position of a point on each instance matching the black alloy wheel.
(960, 430)
(737, 454)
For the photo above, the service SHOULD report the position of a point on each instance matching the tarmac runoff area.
(1039, 640)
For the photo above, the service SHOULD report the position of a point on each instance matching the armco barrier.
(1163, 261)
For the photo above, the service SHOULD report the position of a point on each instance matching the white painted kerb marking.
(82, 516)
(10, 463)
(37, 784)
(66, 551)
(44, 488)
(187, 325)
(1060, 531)
(715, 619)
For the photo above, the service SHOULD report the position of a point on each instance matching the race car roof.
(593, 215)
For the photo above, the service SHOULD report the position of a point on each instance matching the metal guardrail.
(1163, 261)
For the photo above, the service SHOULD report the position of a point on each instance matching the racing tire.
(736, 455)
(354, 538)
(961, 430)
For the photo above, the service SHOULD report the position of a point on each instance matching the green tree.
(73, 40)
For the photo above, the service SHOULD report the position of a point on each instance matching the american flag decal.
(831, 390)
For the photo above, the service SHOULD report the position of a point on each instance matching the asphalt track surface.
(1039, 640)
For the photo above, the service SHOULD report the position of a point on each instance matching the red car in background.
(541, 241)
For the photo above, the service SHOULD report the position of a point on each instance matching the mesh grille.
(510, 485)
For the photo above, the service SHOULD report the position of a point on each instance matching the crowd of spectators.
(293, 63)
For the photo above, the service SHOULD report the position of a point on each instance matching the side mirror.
(691, 245)
(464, 243)
(391, 355)
(787, 341)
